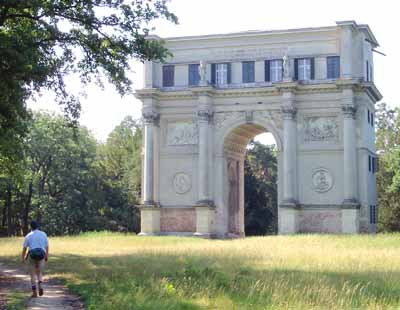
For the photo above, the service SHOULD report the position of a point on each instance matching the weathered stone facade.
(311, 88)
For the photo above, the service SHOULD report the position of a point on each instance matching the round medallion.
(182, 183)
(322, 180)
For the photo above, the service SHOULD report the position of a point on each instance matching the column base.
(149, 220)
(350, 216)
(288, 217)
(205, 218)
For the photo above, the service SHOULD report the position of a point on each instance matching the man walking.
(37, 243)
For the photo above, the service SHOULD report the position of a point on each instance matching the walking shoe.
(34, 294)
(41, 291)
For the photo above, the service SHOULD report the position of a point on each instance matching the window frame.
(246, 75)
(197, 81)
(164, 79)
(336, 74)
(307, 69)
(275, 70)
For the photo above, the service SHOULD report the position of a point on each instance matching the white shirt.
(36, 239)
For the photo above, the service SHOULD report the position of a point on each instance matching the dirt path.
(56, 295)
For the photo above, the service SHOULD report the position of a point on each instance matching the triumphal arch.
(311, 88)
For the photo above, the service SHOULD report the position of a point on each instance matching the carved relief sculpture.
(320, 129)
(182, 133)
(182, 183)
(322, 180)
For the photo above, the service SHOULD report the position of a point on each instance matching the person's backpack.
(37, 254)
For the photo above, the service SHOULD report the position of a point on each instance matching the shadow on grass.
(192, 282)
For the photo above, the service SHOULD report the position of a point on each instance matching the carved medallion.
(320, 129)
(182, 133)
(182, 183)
(322, 180)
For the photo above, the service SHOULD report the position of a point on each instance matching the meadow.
(117, 271)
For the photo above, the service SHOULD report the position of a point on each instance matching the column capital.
(289, 112)
(205, 115)
(349, 111)
(150, 117)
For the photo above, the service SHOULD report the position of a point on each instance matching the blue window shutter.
(194, 77)
(267, 69)
(168, 75)
(244, 72)
(312, 64)
(367, 65)
(296, 69)
(229, 72)
(213, 72)
(252, 72)
(368, 117)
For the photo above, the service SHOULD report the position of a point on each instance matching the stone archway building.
(311, 88)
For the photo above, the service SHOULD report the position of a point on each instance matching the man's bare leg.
(39, 274)
(32, 272)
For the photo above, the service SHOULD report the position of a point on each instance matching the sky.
(102, 110)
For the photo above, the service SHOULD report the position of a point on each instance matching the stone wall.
(320, 221)
(178, 220)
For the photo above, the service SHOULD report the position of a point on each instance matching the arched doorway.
(231, 213)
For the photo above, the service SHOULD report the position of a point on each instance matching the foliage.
(42, 41)
(119, 271)
(69, 182)
(261, 189)
(388, 175)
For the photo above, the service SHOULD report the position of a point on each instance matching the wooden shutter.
(213, 72)
(296, 69)
(267, 69)
(229, 72)
(168, 75)
(312, 64)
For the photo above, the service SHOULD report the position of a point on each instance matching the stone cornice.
(275, 90)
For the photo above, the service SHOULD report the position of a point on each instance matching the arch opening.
(251, 190)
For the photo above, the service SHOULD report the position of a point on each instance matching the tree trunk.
(28, 202)
(8, 207)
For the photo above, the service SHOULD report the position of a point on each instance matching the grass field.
(116, 271)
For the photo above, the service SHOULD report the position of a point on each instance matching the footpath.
(56, 296)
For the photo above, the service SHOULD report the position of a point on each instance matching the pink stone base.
(320, 221)
(178, 220)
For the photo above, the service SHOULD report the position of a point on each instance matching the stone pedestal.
(288, 219)
(149, 221)
(350, 219)
(204, 221)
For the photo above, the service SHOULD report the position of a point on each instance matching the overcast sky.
(102, 110)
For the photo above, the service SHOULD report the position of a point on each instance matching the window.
(274, 70)
(369, 163)
(372, 119)
(221, 74)
(248, 71)
(333, 67)
(367, 74)
(194, 77)
(168, 75)
(373, 219)
(304, 69)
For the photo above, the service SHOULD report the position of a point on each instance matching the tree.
(388, 175)
(120, 162)
(260, 189)
(42, 41)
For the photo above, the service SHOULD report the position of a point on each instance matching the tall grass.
(116, 271)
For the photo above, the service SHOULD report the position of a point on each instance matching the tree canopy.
(42, 41)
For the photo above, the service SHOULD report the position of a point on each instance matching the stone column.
(350, 212)
(288, 208)
(149, 211)
(204, 118)
(346, 48)
(150, 117)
